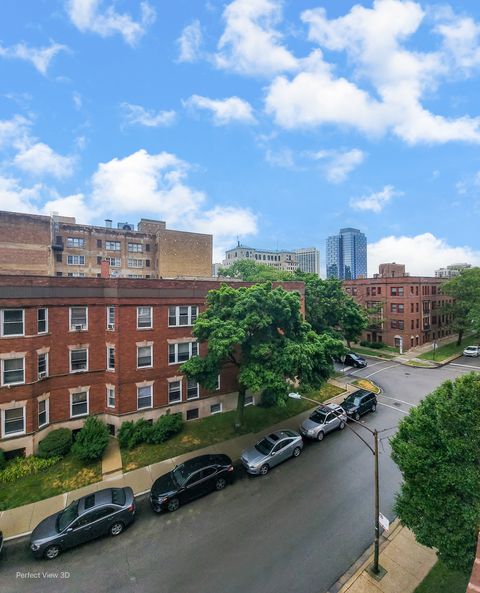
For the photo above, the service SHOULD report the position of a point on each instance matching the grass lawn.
(68, 474)
(366, 384)
(443, 580)
(386, 352)
(218, 428)
(449, 349)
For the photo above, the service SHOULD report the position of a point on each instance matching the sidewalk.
(406, 563)
(21, 521)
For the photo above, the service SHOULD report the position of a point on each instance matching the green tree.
(260, 331)
(464, 311)
(437, 449)
(251, 271)
(92, 440)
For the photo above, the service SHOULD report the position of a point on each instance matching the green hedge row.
(132, 434)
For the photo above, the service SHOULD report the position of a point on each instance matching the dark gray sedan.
(104, 512)
(272, 450)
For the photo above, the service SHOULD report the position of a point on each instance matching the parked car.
(358, 403)
(1, 541)
(354, 360)
(89, 517)
(472, 351)
(324, 419)
(192, 479)
(272, 450)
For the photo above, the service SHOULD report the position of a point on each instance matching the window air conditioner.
(110, 326)
(42, 374)
(79, 327)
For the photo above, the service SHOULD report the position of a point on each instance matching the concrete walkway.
(405, 561)
(112, 460)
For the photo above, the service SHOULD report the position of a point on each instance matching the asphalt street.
(296, 530)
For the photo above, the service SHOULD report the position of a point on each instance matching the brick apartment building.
(58, 246)
(408, 307)
(112, 347)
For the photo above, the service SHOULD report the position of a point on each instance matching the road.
(295, 530)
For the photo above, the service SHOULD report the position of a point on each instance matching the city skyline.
(278, 146)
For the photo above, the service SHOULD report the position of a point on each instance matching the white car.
(472, 351)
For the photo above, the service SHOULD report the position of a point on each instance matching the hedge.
(92, 440)
(56, 443)
(132, 434)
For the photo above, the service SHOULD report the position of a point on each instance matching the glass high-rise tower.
(347, 255)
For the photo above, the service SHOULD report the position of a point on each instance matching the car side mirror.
(273, 453)
(69, 529)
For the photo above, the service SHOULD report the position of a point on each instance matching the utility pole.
(375, 567)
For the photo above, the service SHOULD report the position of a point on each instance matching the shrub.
(56, 443)
(92, 440)
(132, 434)
(375, 345)
(24, 466)
(2, 459)
(165, 427)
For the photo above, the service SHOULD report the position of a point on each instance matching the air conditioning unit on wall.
(79, 327)
(42, 375)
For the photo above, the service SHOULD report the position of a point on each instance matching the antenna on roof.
(238, 242)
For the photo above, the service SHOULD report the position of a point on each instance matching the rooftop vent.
(108, 223)
(126, 226)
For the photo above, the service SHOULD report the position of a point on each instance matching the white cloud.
(339, 164)
(40, 159)
(375, 201)
(250, 43)
(87, 17)
(224, 111)
(14, 132)
(74, 205)
(280, 158)
(461, 40)
(189, 42)
(39, 57)
(77, 100)
(136, 114)
(15, 198)
(422, 254)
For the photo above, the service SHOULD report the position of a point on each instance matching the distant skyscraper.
(347, 255)
(308, 259)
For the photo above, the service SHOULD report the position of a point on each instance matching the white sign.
(384, 522)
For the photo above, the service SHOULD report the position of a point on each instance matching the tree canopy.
(260, 330)
(437, 449)
(464, 311)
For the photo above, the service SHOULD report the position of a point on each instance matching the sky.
(272, 122)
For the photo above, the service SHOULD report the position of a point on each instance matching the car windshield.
(118, 496)
(180, 474)
(67, 516)
(264, 446)
(318, 417)
(352, 399)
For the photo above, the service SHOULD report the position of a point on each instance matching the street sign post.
(384, 522)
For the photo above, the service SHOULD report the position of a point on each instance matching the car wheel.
(296, 451)
(264, 469)
(320, 436)
(220, 483)
(116, 528)
(374, 408)
(52, 552)
(357, 416)
(173, 505)
(342, 425)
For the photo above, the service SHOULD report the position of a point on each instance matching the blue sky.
(278, 122)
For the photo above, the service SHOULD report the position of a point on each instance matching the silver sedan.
(324, 419)
(272, 450)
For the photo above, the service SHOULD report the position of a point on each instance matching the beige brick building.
(32, 244)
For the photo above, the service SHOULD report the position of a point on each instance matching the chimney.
(104, 269)
(108, 223)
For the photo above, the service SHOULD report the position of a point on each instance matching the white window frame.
(114, 262)
(46, 365)
(109, 367)
(22, 357)
(18, 432)
(151, 317)
(45, 331)
(70, 359)
(110, 389)
(217, 388)
(75, 260)
(47, 412)
(150, 387)
(84, 326)
(79, 240)
(149, 366)
(218, 411)
(117, 246)
(3, 334)
(86, 391)
(198, 391)
(177, 315)
(111, 311)
(190, 350)
(251, 403)
(135, 248)
(135, 263)
(179, 401)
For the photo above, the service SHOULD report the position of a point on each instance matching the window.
(13, 421)
(99, 243)
(144, 317)
(78, 404)
(144, 357)
(42, 365)
(76, 260)
(78, 360)
(13, 322)
(174, 392)
(249, 400)
(111, 317)
(396, 307)
(78, 318)
(114, 262)
(416, 307)
(58, 259)
(110, 358)
(217, 386)
(396, 290)
(13, 371)
(76, 274)
(144, 397)
(134, 263)
(215, 408)
(75, 242)
(43, 412)
(112, 245)
(397, 324)
(135, 276)
(182, 315)
(110, 397)
(42, 321)
(193, 391)
(181, 352)
(135, 248)
(147, 247)
(192, 414)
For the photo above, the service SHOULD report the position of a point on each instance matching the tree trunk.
(460, 336)
(348, 345)
(240, 408)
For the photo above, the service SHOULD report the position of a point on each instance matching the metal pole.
(375, 567)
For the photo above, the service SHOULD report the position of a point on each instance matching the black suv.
(192, 479)
(358, 403)
(354, 360)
